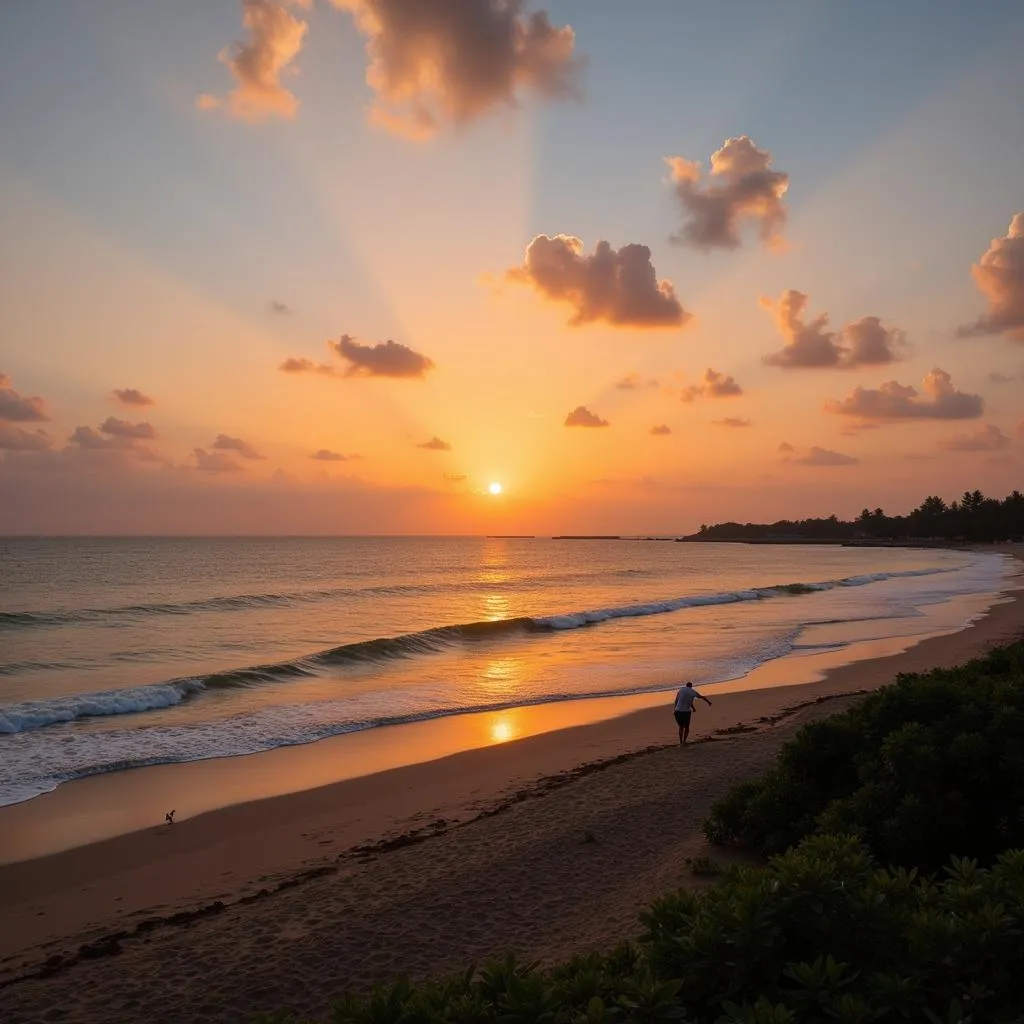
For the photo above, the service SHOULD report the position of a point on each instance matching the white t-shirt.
(685, 698)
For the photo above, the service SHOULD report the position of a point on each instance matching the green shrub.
(928, 768)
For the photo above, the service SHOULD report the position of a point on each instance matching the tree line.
(974, 517)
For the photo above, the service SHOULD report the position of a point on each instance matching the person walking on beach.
(685, 699)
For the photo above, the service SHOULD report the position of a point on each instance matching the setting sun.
(494, 488)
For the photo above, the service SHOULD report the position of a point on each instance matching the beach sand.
(547, 845)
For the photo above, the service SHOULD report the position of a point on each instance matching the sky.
(337, 266)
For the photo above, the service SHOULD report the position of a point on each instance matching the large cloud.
(714, 385)
(741, 187)
(224, 443)
(863, 342)
(122, 428)
(132, 396)
(434, 62)
(892, 402)
(387, 359)
(15, 408)
(999, 276)
(613, 286)
(275, 39)
(581, 416)
(987, 439)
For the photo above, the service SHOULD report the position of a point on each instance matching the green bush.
(820, 934)
(928, 768)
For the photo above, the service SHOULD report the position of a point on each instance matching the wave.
(31, 715)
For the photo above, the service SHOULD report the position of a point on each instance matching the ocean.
(123, 652)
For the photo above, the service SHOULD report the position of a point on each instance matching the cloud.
(996, 377)
(455, 478)
(132, 396)
(661, 430)
(326, 455)
(93, 440)
(987, 439)
(715, 385)
(581, 416)
(439, 62)
(634, 382)
(122, 428)
(215, 462)
(732, 421)
(15, 439)
(999, 276)
(786, 447)
(740, 188)
(863, 342)
(15, 408)
(891, 402)
(303, 365)
(280, 308)
(225, 443)
(275, 39)
(815, 456)
(612, 286)
(435, 444)
(388, 359)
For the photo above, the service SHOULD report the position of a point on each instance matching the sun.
(494, 488)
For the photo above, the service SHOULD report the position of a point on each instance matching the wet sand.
(545, 845)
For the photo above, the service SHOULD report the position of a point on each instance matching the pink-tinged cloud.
(93, 440)
(732, 421)
(612, 286)
(581, 416)
(224, 443)
(435, 444)
(387, 359)
(999, 276)
(215, 462)
(122, 428)
(713, 385)
(17, 439)
(281, 308)
(661, 430)
(863, 342)
(15, 408)
(741, 188)
(303, 365)
(634, 382)
(815, 456)
(892, 402)
(440, 62)
(260, 63)
(326, 455)
(987, 439)
(132, 396)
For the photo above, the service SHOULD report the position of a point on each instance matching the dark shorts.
(682, 718)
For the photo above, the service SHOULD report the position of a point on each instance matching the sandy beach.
(544, 845)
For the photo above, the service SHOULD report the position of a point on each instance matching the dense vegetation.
(973, 518)
(929, 767)
(918, 773)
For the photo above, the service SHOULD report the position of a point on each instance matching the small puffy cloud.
(612, 286)
(435, 444)
(215, 462)
(892, 402)
(786, 447)
(999, 276)
(732, 421)
(303, 365)
(122, 428)
(863, 342)
(326, 455)
(224, 443)
(387, 359)
(17, 439)
(634, 382)
(15, 408)
(132, 396)
(281, 308)
(93, 440)
(661, 430)
(581, 416)
(438, 62)
(259, 63)
(741, 188)
(815, 456)
(988, 439)
(713, 385)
